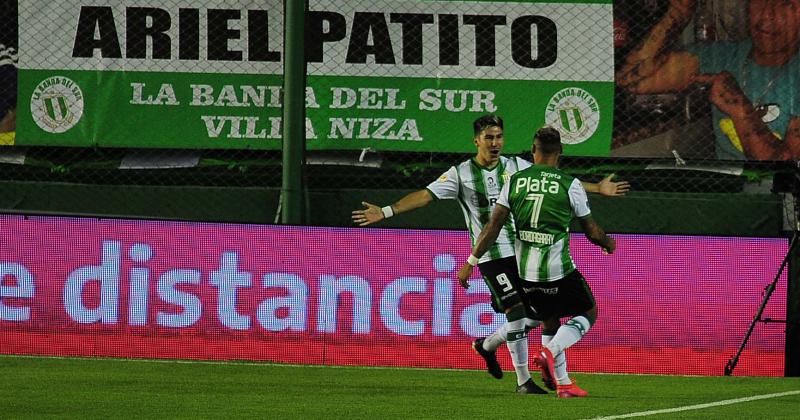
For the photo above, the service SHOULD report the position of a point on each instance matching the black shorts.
(568, 296)
(502, 277)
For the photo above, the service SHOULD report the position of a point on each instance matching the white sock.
(494, 341)
(569, 334)
(560, 361)
(517, 343)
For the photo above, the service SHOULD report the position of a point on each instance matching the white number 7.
(537, 207)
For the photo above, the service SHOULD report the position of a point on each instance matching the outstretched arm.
(648, 68)
(485, 240)
(607, 187)
(372, 213)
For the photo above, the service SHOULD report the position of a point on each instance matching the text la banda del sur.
(341, 98)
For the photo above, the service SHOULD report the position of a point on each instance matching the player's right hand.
(368, 216)
(464, 274)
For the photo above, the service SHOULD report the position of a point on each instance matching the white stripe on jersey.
(534, 255)
(554, 265)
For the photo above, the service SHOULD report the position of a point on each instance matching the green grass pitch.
(36, 387)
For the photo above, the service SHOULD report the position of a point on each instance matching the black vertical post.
(294, 134)
(792, 353)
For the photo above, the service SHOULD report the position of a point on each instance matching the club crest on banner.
(575, 113)
(57, 104)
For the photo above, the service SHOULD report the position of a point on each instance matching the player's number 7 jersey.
(543, 200)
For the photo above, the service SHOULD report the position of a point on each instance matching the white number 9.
(502, 278)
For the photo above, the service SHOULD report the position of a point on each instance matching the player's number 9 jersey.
(476, 189)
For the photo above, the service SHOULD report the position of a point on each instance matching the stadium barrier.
(376, 297)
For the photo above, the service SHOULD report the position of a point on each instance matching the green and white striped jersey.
(477, 188)
(543, 200)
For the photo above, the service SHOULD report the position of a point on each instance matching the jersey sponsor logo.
(57, 104)
(528, 184)
(544, 290)
(537, 237)
(575, 113)
(443, 178)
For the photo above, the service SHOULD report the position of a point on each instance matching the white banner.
(385, 38)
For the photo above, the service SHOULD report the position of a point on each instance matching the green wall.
(638, 212)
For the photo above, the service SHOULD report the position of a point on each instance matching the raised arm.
(648, 68)
(485, 240)
(372, 213)
(596, 235)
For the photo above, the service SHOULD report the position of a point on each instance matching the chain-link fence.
(164, 106)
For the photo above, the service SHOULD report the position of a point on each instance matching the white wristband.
(472, 260)
(387, 211)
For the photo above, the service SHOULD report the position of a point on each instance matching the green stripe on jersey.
(508, 226)
(484, 207)
(464, 208)
(470, 227)
(522, 260)
(544, 267)
(566, 260)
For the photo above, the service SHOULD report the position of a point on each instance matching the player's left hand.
(464, 274)
(610, 246)
(368, 216)
(613, 189)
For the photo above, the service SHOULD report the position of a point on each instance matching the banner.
(649, 79)
(126, 288)
(385, 74)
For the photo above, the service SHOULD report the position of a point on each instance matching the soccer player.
(476, 184)
(542, 201)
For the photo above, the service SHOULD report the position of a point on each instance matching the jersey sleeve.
(503, 198)
(446, 186)
(578, 199)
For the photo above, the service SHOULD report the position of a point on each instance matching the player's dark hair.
(486, 121)
(549, 140)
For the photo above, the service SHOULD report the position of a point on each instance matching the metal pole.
(792, 354)
(731, 365)
(294, 139)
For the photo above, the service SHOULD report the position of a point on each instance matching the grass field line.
(289, 365)
(699, 406)
(222, 362)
